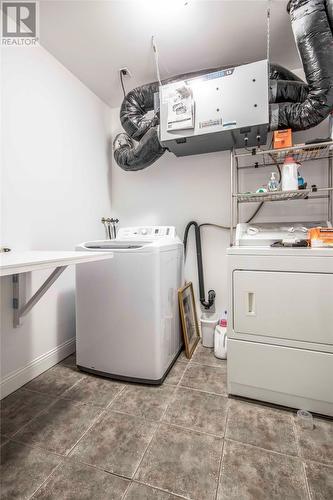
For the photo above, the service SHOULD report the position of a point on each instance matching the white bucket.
(208, 323)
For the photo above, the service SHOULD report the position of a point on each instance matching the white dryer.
(280, 333)
(127, 312)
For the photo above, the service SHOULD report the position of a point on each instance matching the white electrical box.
(216, 111)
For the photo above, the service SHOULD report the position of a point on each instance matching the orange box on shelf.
(321, 237)
(282, 139)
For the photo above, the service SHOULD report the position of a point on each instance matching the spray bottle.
(220, 338)
(273, 184)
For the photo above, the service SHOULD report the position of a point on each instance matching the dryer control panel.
(146, 232)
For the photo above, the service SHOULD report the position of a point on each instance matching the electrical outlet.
(125, 72)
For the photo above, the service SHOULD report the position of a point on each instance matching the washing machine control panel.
(146, 232)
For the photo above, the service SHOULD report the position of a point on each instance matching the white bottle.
(220, 340)
(273, 184)
(290, 174)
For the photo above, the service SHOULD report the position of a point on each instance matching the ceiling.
(94, 38)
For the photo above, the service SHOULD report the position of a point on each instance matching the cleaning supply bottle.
(273, 184)
(301, 182)
(290, 174)
(220, 338)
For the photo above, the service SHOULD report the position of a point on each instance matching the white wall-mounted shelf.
(17, 263)
(33, 260)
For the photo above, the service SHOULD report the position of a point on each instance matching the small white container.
(220, 342)
(290, 174)
(305, 420)
(208, 323)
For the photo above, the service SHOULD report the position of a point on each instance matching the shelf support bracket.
(19, 311)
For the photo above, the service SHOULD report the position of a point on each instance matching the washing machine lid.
(139, 238)
(115, 244)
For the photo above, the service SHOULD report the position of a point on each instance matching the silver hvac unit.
(216, 111)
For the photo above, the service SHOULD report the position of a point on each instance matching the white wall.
(176, 190)
(55, 182)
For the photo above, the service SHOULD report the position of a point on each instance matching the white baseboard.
(16, 379)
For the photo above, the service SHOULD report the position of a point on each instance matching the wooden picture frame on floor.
(189, 318)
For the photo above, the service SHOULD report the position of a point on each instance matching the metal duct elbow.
(313, 36)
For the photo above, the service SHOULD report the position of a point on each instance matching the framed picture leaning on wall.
(189, 319)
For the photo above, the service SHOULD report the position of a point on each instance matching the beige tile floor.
(69, 435)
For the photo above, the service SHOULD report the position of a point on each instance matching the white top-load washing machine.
(280, 333)
(127, 308)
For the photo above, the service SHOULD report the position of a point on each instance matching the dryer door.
(295, 306)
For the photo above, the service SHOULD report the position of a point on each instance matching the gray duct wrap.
(294, 104)
(313, 37)
(329, 10)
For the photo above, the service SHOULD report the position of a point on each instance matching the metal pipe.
(231, 197)
(110, 227)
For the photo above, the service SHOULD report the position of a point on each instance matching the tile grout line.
(219, 470)
(139, 417)
(94, 422)
(182, 376)
(157, 428)
(74, 459)
(142, 483)
(162, 422)
(192, 429)
(206, 392)
(294, 425)
(35, 417)
(115, 397)
(155, 431)
(225, 396)
(48, 477)
(296, 457)
(330, 465)
(160, 489)
(307, 487)
(221, 460)
(34, 446)
(62, 397)
(84, 377)
(126, 490)
(55, 400)
(206, 364)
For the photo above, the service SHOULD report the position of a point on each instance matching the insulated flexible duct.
(313, 37)
(329, 10)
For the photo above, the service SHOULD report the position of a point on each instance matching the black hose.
(211, 294)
